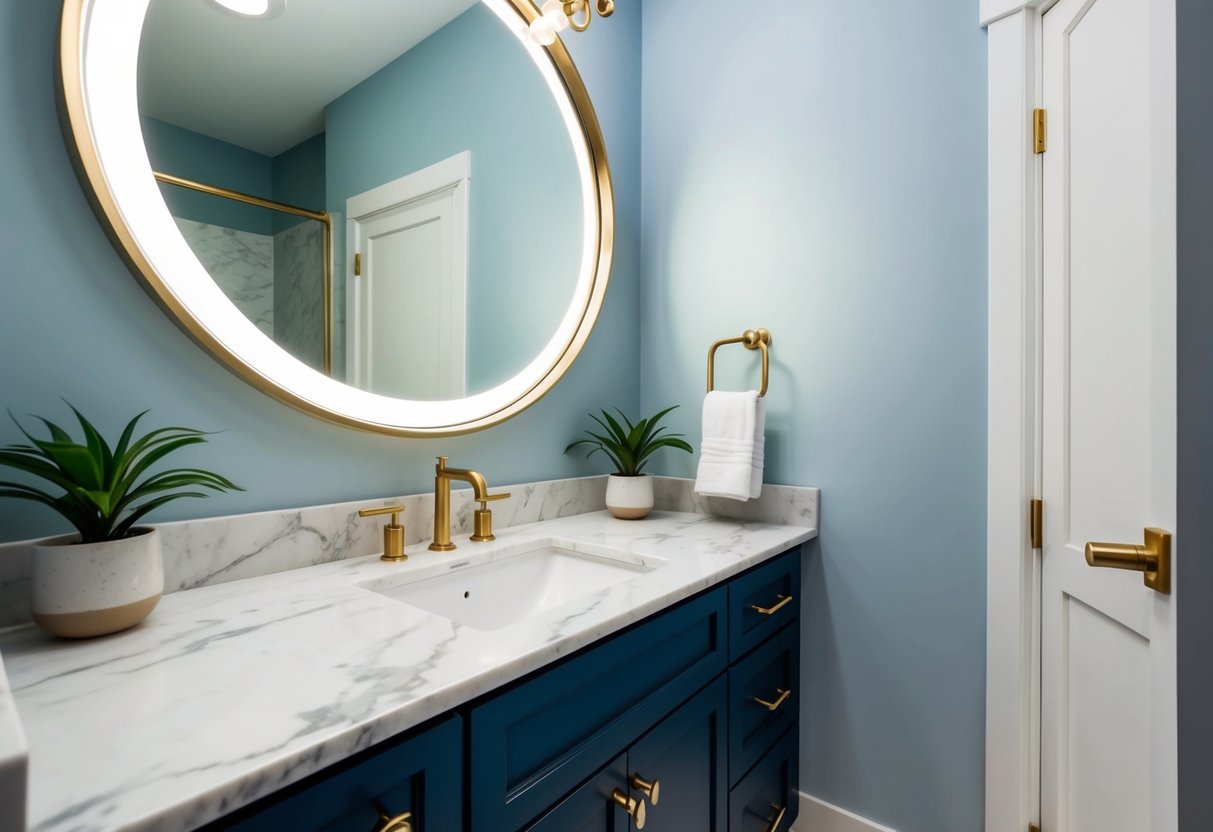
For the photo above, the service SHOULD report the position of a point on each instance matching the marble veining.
(288, 673)
(241, 262)
(216, 550)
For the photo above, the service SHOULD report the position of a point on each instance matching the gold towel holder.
(751, 339)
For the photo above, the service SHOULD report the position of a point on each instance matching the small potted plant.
(629, 494)
(108, 575)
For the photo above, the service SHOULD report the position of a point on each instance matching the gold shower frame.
(323, 217)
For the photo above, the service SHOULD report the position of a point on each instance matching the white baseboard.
(819, 816)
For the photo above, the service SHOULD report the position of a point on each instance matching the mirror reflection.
(385, 188)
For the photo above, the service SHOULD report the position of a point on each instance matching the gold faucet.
(442, 504)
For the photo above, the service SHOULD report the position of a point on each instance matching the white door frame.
(1015, 177)
(1015, 273)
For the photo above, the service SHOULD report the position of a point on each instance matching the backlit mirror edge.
(79, 134)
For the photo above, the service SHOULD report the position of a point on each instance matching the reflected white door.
(1108, 726)
(408, 330)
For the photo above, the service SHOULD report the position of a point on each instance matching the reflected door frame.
(449, 178)
(1015, 274)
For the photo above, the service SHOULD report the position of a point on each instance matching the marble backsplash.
(299, 292)
(220, 549)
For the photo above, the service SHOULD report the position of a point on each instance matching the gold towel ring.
(751, 339)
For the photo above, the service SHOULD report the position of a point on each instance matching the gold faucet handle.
(393, 532)
(483, 526)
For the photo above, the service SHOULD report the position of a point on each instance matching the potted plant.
(629, 494)
(109, 574)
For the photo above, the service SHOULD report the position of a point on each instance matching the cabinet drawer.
(535, 743)
(422, 775)
(771, 674)
(756, 803)
(762, 601)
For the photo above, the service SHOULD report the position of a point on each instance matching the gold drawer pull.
(782, 810)
(784, 600)
(773, 706)
(651, 790)
(634, 807)
(399, 823)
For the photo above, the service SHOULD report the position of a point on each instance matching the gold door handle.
(634, 807)
(1154, 558)
(399, 823)
(773, 706)
(781, 810)
(650, 790)
(783, 601)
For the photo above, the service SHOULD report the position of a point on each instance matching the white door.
(1108, 729)
(408, 300)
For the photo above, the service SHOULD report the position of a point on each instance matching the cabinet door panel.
(422, 775)
(590, 808)
(686, 754)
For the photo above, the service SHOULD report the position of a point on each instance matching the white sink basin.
(494, 589)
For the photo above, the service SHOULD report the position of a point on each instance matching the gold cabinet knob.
(393, 532)
(634, 807)
(1153, 558)
(650, 790)
(399, 823)
(773, 706)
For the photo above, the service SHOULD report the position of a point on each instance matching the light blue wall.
(818, 168)
(471, 86)
(299, 179)
(185, 153)
(75, 323)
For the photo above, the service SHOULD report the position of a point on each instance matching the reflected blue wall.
(471, 86)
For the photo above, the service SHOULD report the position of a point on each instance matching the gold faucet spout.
(443, 476)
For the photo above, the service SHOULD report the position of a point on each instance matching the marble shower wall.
(298, 301)
(241, 262)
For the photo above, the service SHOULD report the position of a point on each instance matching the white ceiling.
(264, 84)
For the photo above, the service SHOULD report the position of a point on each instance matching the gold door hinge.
(1033, 828)
(1036, 524)
(1040, 129)
(357, 265)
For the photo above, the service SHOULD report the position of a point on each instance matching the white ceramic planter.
(629, 498)
(92, 589)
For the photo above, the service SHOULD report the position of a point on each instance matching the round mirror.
(393, 214)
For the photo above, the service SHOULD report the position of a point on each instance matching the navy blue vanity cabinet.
(421, 775)
(766, 798)
(535, 743)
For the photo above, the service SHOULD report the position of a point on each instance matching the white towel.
(731, 454)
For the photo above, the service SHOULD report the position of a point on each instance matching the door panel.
(590, 808)
(686, 754)
(1108, 411)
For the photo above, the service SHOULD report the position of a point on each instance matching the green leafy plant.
(103, 494)
(628, 445)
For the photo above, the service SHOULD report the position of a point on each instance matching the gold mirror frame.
(322, 398)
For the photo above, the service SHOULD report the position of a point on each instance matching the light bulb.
(553, 12)
(543, 32)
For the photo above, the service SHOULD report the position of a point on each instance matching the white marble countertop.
(228, 693)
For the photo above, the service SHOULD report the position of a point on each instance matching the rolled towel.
(733, 447)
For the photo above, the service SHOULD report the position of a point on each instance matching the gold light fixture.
(557, 15)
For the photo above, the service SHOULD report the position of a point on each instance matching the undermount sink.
(491, 590)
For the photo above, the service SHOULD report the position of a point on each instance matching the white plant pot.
(92, 589)
(629, 498)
